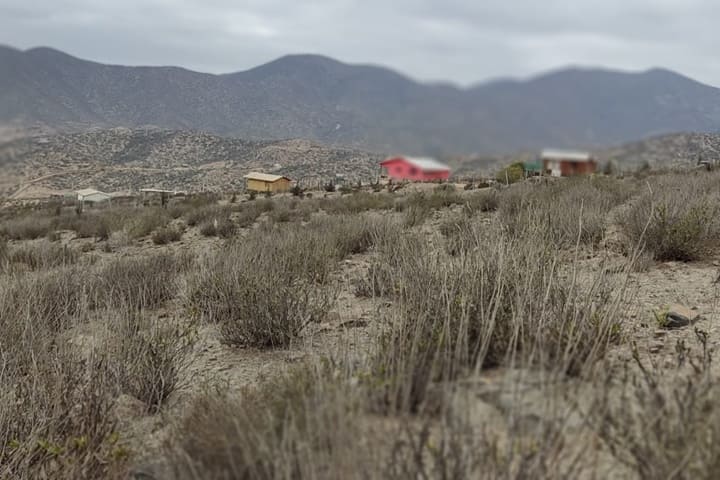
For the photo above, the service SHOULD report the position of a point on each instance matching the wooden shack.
(265, 182)
(566, 163)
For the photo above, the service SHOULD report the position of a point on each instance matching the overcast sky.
(462, 41)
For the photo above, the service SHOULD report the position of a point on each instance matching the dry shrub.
(56, 416)
(224, 228)
(457, 229)
(357, 202)
(287, 210)
(92, 227)
(27, 227)
(389, 253)
(678, 218)
(65, 427)
(98, 224)
(485, 201)
(4, 250)
(250, 212)
(351, 234)
(138, 283)
(662, 423)
(499, 300)
(44, 255)
(117, 240)
(265, 289)
(415, 214)
(163, 236)
(102, 223)
(283, 213)
(299, 425)
(147, 357)
(458, 445)
(146, 221)
(207, 213)
(574, 209)
(52, 298)
(312, 423)
(442, 196)
(189, 207)
(418, 206)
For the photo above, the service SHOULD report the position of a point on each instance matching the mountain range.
(373, 108)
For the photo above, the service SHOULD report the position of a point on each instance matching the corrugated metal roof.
(569, 155)
(264, 177)
(91, 195)
(423, 163)
(88, 191)
(160, 190)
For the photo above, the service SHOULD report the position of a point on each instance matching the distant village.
(395, 169)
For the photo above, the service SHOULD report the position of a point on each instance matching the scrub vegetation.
(427, 332)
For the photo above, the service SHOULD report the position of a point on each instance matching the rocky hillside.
(122, 159)
(372, 108)
(681, 149)
(672, 150)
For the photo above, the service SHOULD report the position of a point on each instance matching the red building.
(418, 169)
(566, 163)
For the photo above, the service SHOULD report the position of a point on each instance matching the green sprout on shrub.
(661, 316)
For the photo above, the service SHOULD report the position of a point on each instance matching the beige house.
(90, 195)
(265, 182)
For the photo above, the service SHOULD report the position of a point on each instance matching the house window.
(413, 171)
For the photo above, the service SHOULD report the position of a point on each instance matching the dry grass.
(312, 423)
(417, 207)
(676, 218)
(57, 401)
(138, 283)
(265, 289)
(662, 422)
(464, 309)
(166, 235)
(573, 210)
(27, 227)
(500, 300)
(43, 255)
(483, 201)
(146, 358)
(279, 431)
(64, 428)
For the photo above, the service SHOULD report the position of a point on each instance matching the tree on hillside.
(511, 174)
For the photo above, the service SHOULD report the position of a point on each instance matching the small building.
(566, 163)
(265, 182)
(90, 195)
(414, 168)
(533, 168)
(163, 193)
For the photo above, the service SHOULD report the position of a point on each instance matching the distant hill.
(121, 159)
(672, 150)
(680, 149)
(320, 99)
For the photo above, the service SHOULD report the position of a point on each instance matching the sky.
(458, 41)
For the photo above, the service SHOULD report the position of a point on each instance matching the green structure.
(533, 168)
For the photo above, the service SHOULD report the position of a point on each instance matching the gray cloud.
(463, 41)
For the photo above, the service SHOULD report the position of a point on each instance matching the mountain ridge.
(361, 106)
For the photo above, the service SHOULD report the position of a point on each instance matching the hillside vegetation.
(127, 160)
